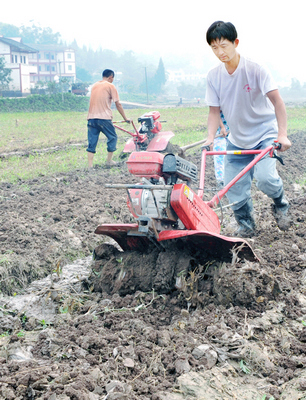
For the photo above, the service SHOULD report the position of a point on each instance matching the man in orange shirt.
(100, 116)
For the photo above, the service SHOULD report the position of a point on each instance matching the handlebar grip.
(277, 145)
(206, 147)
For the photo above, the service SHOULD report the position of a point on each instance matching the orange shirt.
(102, 95)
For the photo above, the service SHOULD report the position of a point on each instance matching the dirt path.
(233, 330)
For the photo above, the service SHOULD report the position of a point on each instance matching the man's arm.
(213, 123)
(281, 117)
(121, 111)
(223, 131)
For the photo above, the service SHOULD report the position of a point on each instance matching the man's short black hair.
(221, 30)
(107, 73)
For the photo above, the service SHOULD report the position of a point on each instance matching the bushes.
(45, 103)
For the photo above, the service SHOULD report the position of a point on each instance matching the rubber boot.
(280, 211)
(245, 218)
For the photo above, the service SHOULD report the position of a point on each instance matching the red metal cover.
(129, 146)
(157, 127)
(193, 211)
(146, 164)
(154, 114)
(213, 243)
(126, 235)
(160, 141)
(129, 238)
(136, 200)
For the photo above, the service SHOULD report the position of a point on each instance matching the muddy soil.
(154, 325)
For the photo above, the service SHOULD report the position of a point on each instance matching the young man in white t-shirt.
(256, 114)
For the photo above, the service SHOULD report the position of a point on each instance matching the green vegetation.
(25, 131)
(5, 74)
(63, 136)
(244, 368)
(44, 103)
(296, 119)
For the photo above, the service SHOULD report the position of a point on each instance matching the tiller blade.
(129, 238)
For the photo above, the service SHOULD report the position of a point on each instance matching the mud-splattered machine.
(164, 205)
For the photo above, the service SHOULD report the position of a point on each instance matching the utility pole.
(60, 73)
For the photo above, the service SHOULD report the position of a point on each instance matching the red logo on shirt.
(247, 88)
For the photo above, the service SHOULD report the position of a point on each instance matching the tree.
(83, 75)
(5, 74)
(295, 84)
(189, 91)
(160, 75)
(159, 79)
(8, 30)
(153, 83)
(35, 34)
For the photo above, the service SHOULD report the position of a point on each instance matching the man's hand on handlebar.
(208, 145)
(284, 142)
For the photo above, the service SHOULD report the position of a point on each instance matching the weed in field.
(243, 367)
(5, 258)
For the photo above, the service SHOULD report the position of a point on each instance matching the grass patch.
(28, 131)
(296, 119)
(23, 168)
(24, 131)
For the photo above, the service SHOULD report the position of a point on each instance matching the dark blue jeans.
(95, 126)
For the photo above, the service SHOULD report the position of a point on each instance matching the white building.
(52, 62)
(16, 55)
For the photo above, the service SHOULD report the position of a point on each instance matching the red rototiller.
(149, 136)
(166, 208)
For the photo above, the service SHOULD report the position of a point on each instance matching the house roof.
(51, 47)
(18, 46)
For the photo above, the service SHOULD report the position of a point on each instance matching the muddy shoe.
(282, 217)
(245, 219)
(280, 210)
(110, 164)
(246, 229)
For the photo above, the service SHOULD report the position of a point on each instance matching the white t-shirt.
(243, 101)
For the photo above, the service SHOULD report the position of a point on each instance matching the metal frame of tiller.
(149, 136)
(261, 153)
(137, 137)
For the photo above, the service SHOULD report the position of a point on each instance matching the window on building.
(16, 59)
(47, 56)
(53, 69)
(39, 68)
(12, 58)
(21, 59)
(69, 55)
(69, 67)
(47, 67)
(24, 59)
(52, 56)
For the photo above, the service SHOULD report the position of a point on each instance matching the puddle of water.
(37, 300)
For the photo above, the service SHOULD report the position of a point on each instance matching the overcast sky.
(271, 31)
